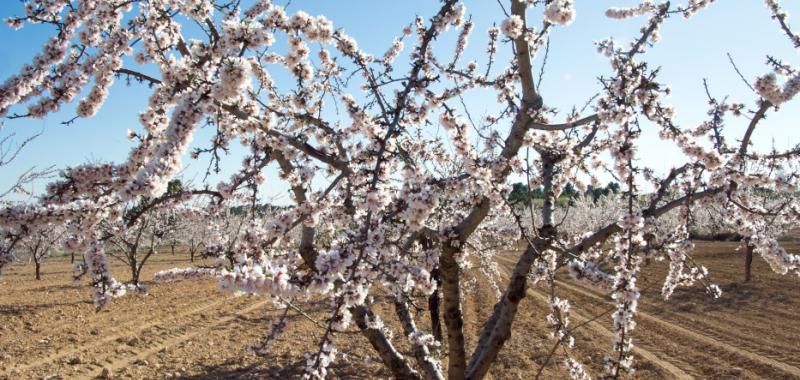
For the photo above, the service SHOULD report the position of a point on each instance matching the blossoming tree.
(134, 243)
(39, 245)
(194, 234)
(407, 189)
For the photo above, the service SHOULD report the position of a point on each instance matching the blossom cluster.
(625, 13)
(179, 274)
(768, 88)
(560, 12)
(512, 27)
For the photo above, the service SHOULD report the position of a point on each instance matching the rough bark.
(134, 272)
(748, 262)
(453, 318)
(307, 251)
(392, 359)
(497, 329)
(431, 367)
(434, 301)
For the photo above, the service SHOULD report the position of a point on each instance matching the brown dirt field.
(750, 332)
(188, 330)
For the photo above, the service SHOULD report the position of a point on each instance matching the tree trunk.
(38, 269)
(433, 306)
(72, 257)
(748, 262)
(497, 330)
(453, 318)
(172, 248)
(422, 354)
(134, 272)
(392, 359)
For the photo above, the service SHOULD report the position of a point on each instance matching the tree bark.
(38, 269)
(392, 359)
(434, 301)
(134, 272)
(531, 102)
(497, 329)
(748, 262)
(453, 319)
(431, 367)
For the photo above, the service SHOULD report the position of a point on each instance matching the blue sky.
(690, 51)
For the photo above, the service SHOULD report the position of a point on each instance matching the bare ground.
(188, 330)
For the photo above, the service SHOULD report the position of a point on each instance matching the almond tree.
(40, 243)
(407, 182)
(707, 221)
(223, 230)
(195, 233)
(133, 242)
(9, 150)
(714, 222)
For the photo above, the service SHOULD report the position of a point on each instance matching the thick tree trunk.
(433, 306)
(134, 272)
(748, 262)
(453, 318)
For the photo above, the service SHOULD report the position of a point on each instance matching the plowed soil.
(188, 330)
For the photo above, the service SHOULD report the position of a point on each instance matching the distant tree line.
(524, 195)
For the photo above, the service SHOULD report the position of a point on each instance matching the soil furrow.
(128, 329)
(671, 369)
(698, 336)
(175, 339)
